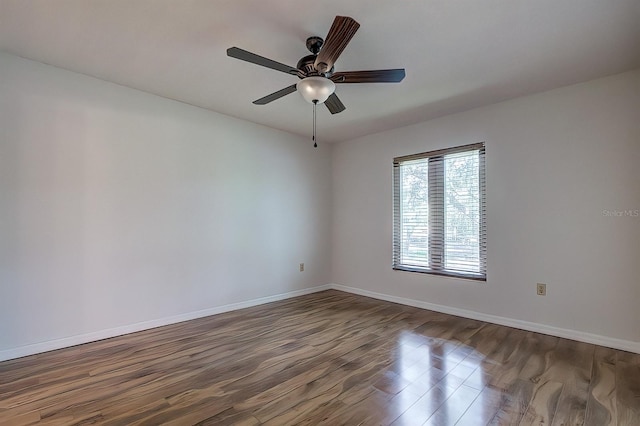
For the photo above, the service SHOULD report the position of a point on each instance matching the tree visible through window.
(439, 212)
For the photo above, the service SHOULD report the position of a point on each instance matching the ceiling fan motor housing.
(307, 63)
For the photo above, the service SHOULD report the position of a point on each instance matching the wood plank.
(514, 403)
(543, 404)
(424, 408)
(546, 389)
(483, 409)
(601, 405)
(627, 388)
(572, 363)
(454, 407)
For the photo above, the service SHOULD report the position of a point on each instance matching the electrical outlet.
(541, 289)
(302, 267)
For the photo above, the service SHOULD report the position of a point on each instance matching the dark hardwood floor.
(331, 358)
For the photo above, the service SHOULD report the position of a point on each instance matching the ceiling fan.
(316, 71)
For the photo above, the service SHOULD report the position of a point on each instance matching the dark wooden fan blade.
(372, 76)
(340, 34)
(276, 95)
(243, 55)
(334, 104)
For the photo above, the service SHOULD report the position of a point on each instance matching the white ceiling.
(458, 54)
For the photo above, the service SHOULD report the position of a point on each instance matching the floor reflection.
(444, 379)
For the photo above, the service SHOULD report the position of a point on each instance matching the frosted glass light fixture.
(316, 89)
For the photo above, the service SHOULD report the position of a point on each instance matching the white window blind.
(439, 223)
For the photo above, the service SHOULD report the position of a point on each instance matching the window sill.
(475, 277)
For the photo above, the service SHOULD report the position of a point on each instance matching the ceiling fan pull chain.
(315, 144)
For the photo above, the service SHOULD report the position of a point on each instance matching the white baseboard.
(51, 345)
(146, 325)
(610, 342)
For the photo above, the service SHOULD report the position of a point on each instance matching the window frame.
(437, 267)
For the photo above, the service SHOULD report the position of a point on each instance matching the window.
(439, 223)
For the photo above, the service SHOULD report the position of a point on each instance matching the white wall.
(121, 210)
(118, 207)
(555, 161)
